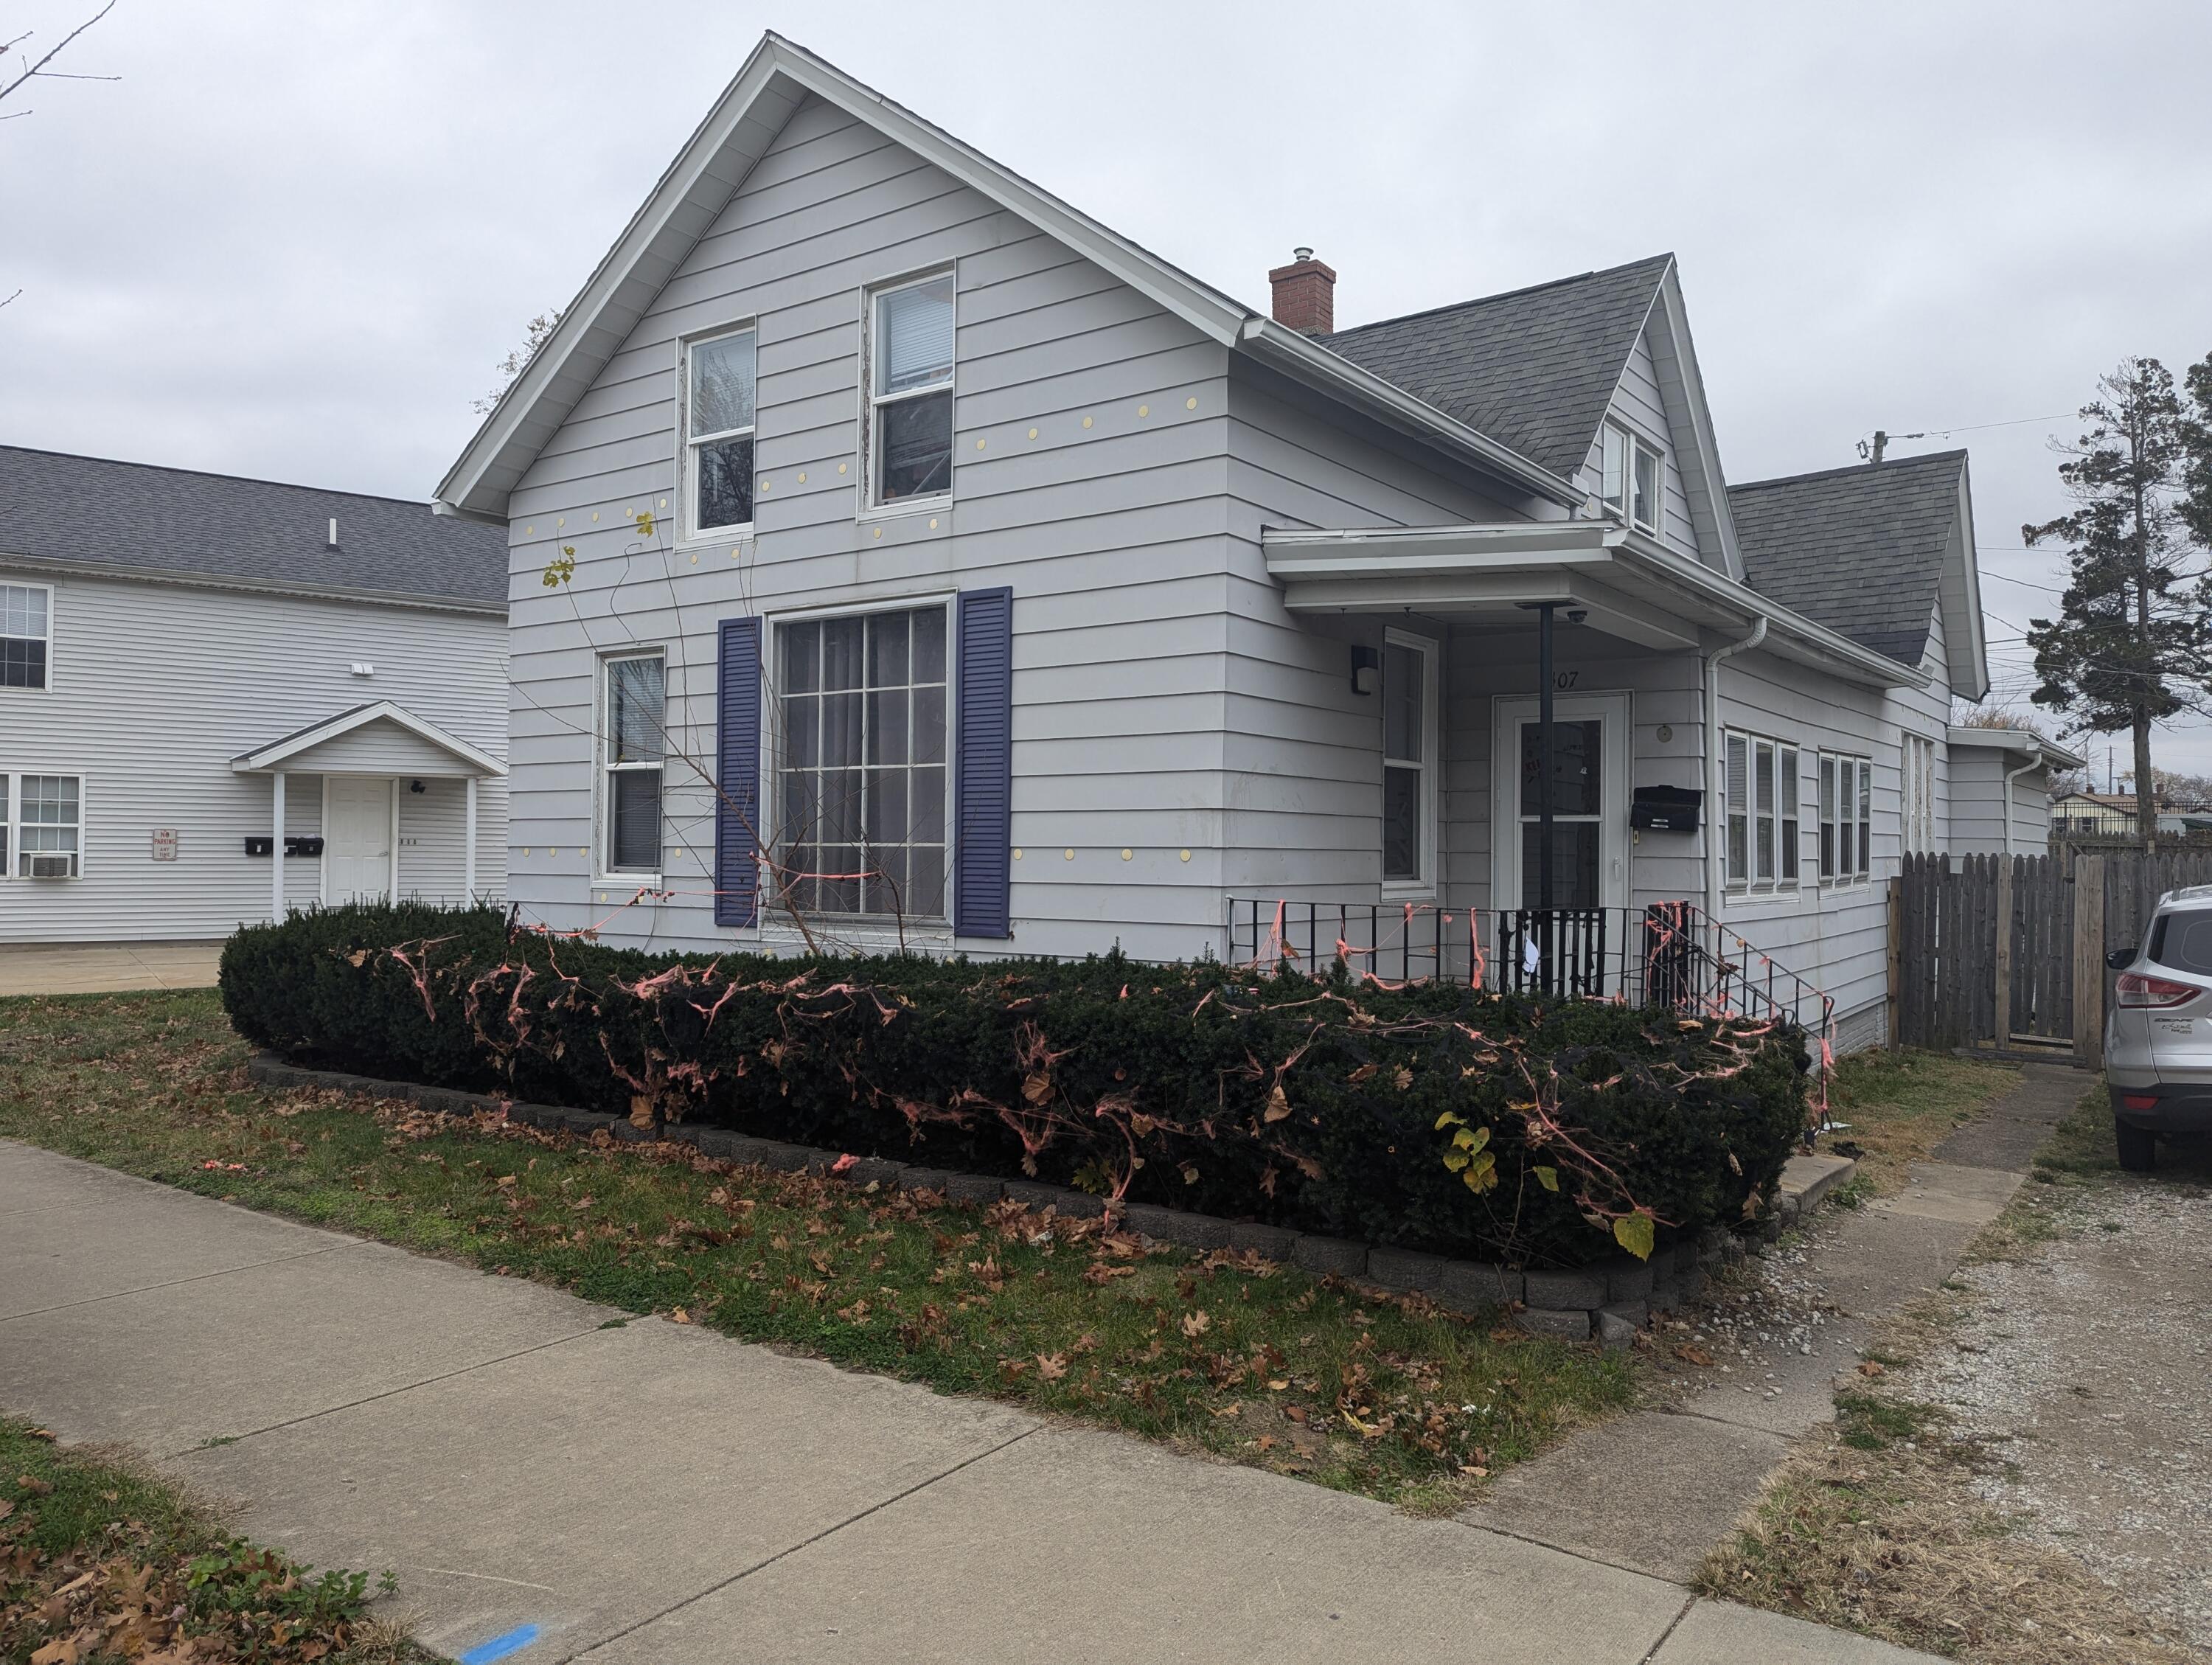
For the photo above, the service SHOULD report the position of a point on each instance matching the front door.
(1589, 801)
(356, 839)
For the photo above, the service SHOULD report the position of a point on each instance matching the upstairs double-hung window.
(1629, 483)
(720, 375)
(26, 631)
(910, 391)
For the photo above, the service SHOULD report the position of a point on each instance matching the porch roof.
(1631, 585)
(289, 751)
(2018, 743)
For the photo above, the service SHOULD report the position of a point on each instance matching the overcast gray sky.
(293, 240)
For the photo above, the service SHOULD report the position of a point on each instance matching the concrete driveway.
(107, 968)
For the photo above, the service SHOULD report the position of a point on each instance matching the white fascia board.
(2015, 742)
(1370, 549)
(1706, 452)
(267, 757)
(1975, 684)
(1341, 379)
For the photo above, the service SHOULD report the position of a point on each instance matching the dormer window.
(910, 391)
(1631, 483)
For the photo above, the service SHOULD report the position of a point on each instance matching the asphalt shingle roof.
(1533, 369)
(1858, 549)
(127, 516)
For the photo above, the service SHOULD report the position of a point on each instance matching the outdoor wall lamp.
(1367, 670)
(415, 785)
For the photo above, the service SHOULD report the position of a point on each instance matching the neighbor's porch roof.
(289, 751)
(1633, 588)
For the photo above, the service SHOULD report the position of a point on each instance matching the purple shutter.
(738, 746)
(983, 760)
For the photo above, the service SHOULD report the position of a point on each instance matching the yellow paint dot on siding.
(802, 479)
(841, 468)
(1086, 422)
(1190, 404)
(1033, 433)
(595, 514)
(768, 486)
(733, 555)
(561, 522)
(933, 523)
(526, 849)
(694, 560)
(1126, 854)
(1068, 856)
(1144, 410)
(1018, 855)
(980, 444)
(1186, 856)
(527, 531)
(880, 532)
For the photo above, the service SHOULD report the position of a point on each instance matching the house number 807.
(1565, 678)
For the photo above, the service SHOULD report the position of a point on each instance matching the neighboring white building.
(902, 558)
(196, 669)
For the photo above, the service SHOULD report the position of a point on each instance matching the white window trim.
(869, 508)
(1857, 767)
(866, 932)
(48, 589)
(601, 798)
(1426, 887)
(1749, 887)
(688, 443)
(11, 809)
(1633, 445)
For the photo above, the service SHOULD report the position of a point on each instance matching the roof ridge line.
(1501, 294)
(423, 503)
(1887, 463)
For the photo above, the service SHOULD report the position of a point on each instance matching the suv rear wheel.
(2138, 1148)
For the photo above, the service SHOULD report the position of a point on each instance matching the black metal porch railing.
(1667, 954)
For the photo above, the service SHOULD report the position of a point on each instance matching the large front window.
(861, 780)
(633, 748)
(910, 391)
(719, 390)
(1761, 781)
(25, 626)
(1846, 819)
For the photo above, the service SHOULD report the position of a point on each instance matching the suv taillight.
(2136, 989)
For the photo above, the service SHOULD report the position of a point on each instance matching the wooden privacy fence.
(2008, 952)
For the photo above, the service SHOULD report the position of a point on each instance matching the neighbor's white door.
(1590, 800)
(356, 839)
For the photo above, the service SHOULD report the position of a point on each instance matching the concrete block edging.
(1570, 1304)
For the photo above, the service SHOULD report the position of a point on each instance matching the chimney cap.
(1302, 253)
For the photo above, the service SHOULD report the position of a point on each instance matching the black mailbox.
(303, 847)
(259, 846)
(1665, 809)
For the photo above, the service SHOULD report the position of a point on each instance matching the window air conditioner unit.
(50, 866)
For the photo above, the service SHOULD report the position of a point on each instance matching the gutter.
(1716, 830)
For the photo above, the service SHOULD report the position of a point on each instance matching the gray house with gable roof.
(223, 698)
(900, 557)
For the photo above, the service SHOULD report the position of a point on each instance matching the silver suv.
(2158, 1036)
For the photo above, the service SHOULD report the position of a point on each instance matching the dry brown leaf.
(1693, 1355)
(1051, 1366)
(1279, 1104)
(1868, 1367)
(1196, 1324)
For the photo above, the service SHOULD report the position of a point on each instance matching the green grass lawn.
(1901, 1104)
(1259, 1364)
(100, 1562)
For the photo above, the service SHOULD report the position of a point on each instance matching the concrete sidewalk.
(654, 1493)
(107, 968)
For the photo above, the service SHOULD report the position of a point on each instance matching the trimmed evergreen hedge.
(1318, 1105)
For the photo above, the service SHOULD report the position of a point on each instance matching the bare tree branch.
(38, 69)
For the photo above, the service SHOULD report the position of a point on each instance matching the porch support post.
(1544, 755)
(468, 845)
(276, 848)
(391, 892)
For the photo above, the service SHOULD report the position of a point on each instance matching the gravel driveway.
(2084, 1367)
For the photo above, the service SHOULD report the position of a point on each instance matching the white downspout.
(2035, 761)
(1717, 808)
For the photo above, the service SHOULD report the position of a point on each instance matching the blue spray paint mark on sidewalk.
(500, 1646)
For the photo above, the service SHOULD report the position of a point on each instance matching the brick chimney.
(1305, 295)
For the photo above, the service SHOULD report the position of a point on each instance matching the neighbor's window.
(861, 780)
(1846, 817)
(1761, 806)
(632, 749)
(1614, 486)
(910, 391)
(25, 632)
(720, 374)
(41, 825)
(1408, 757)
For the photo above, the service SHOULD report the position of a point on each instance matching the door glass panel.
(1574, 864)
(1577, 757)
